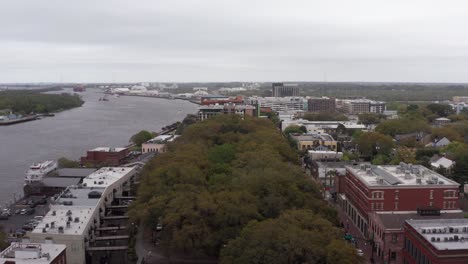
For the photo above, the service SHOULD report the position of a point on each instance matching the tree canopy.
(223, 177)
(30, 101)
(141, 137)
(325, 116)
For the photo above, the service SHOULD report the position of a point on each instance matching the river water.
(70, 133)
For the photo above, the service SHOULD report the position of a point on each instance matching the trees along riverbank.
(32, 101)
(226, 181)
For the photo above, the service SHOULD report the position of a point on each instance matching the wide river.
(70, 133)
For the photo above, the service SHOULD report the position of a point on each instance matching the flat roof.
(107, 149)
(62, 182)
(106, 176)
(24, 253)
(399, 175)
(73, 202)
(75, 172)
(396, 220)
(446, 234)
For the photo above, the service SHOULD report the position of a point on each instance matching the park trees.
(220, 177)
(373, 143)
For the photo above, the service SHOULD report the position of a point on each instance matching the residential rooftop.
(399, 175)
(31, 253)
(394, 220)
(443, 234)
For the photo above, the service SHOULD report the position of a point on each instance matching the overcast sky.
(236, 40)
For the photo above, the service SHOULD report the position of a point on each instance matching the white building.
(78, 210)
(321, 126)
(34, 253)
(157, 144)
(281, 104)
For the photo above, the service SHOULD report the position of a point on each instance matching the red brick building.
(211, 100)
(387, 229)
(368, 194)
(323, 104)
(404, 187)
(104, 155)
(436, 241)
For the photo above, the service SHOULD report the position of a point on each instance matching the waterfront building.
(329, 127)
(284, 89)
(436, 241)
(34, 253)
(221, 100)
(323, 104)
(157, 144)
(207, 111)
(77, 212)
(104, 155)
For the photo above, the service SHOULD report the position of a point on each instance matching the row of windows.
(449, 205)
(415, 253)
(447, 194)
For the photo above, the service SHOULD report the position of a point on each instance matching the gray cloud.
(247, 40)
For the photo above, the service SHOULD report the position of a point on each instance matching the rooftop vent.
(77, 219)
(44, 230)
(68, 203)
(54, 213)
(418, 181)
(52, 224)
(94, 195)
(60, 229)
(407, 175)
(368, 171)
(380, 181)
(68, 224)
(69, 212)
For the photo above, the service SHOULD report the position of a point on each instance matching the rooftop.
(108, 149)
(106, 176)
(31, 253)
(75, 172)
(396, 220)
(403, 174)
(446, 234)
(162, 139)
(67, 220)
(311, 137)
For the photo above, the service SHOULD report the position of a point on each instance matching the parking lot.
(17, 220)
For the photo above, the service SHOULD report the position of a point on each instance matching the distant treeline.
(377, 91)
(34, 101)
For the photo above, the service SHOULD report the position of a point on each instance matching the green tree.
(141, 137)
(66, 163)
(441, 109)
(295, 129)
(370, 118)
(297, 236)
(3, 239)
(374, 143)
(325, 116)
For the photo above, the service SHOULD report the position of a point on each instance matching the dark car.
(30, 211)
(4, 217)
(42, 201)
(28, 227)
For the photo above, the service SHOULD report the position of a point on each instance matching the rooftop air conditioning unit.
(60, 229)
(438, 239)
(433, 239)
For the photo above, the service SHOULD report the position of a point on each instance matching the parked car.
(42, 201)
(28, 227)
(6, 211)
(17, 211)
(4, 216)
(30, 211)
(23, 211)
(39, 217)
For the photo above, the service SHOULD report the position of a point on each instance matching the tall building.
(323, 104)
(104, 155)
(78, 212)
(282, 104)
(358, 106)
(284, 89)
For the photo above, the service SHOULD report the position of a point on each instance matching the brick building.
(404, 187)
(323, 104)
(104, 155)
(436, 241)
(378, 199)
(212, 100)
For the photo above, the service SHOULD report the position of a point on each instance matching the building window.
(431, 204)
(394, 238)
(445, 205)
(396, 206)
(377, 195)
(449, 194)
(397, 194)
(372, 206)
(431, 195)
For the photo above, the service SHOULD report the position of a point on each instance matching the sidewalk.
(361, 242)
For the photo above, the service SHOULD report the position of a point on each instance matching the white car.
(23, 211)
